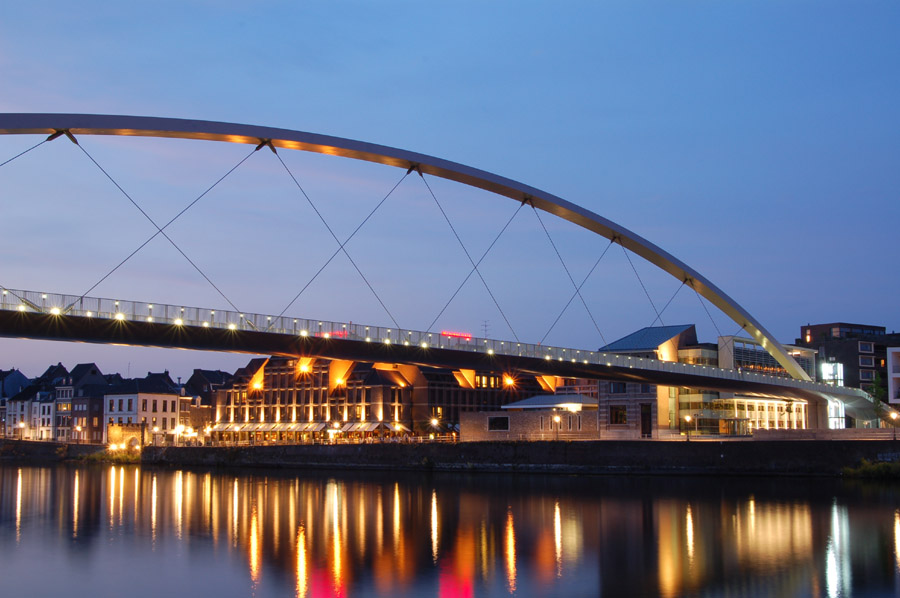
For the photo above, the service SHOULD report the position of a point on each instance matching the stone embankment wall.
(610, 457)
(26, 450)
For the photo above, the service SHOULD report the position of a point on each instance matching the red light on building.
(463, 335)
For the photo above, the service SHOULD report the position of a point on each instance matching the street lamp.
(894, 420)
(556, 420)
(78, 429)
(687, 419)
(21, 430)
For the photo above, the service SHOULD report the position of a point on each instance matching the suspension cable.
(164, 227)
(663, 310)
(472, 271)
(468, 255)
(568, 273)
(147, 216)
(653, 305)
(575, 294)
(338, 250)
(341, 246)
(20, 154)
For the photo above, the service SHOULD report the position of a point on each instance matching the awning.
(229, 427)
(348, 426)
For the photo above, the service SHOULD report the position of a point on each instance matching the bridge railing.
(178, 315)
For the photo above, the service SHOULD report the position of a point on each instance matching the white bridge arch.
(145, 126)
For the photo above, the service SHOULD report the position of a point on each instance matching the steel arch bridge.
(141, 126)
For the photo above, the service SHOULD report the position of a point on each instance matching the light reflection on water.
(310, 535)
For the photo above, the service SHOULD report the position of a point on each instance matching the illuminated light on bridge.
(55, 311)
(509, 380)
(178, 322)
(120, 316)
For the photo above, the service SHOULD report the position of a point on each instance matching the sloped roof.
(647, 339)
(53, 373)
(149, 385)
(83, 369)
(213, 376)
(548, 401)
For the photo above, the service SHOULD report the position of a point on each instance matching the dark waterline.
(136, 532)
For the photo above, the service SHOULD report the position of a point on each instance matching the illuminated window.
(617, 414)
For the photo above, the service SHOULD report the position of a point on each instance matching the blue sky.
(757, 141)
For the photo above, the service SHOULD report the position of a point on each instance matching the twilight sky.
(759, 142)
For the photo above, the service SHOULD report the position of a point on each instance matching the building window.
(498, 424)
(866, 347)
(866, 361)
(617, 414)
(866, 374)
(646, 388)
(617, 388)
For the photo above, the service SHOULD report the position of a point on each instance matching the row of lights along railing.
(156, 313)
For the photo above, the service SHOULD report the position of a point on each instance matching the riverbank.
(781, 458)
(776, 458)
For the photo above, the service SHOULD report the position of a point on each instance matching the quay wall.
(758, 457)
(777, 457)
(26, 450)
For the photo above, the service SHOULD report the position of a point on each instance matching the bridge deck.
(33, 314)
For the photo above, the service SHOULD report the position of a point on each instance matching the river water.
(136, 532)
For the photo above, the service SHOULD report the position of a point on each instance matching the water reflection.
(378, 535)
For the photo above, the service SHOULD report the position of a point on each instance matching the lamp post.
(78, 429)
(21, 430)
(556, 420)
(894, 421)
(687, 419)
(434, 425)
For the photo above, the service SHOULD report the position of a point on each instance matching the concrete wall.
(601, 457)
(529, 425)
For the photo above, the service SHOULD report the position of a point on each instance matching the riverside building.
(306, 399)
